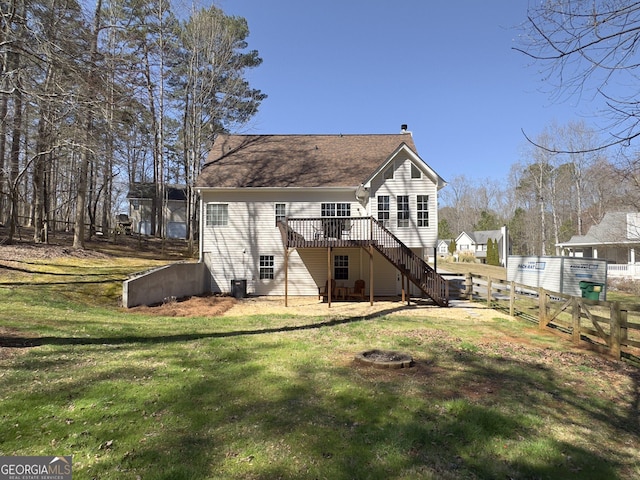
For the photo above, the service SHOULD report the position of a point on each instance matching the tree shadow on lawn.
(364, 427)
(18, 341)
(433, 421)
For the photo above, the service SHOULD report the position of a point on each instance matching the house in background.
(292, 214)
(476, 243)
(141, 198)
(616, 238)
(442, 249)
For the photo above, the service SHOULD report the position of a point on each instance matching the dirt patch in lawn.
(29, 251)
(203, 306)
(220, 305)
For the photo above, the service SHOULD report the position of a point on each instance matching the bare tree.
(582, 142)
(83, 113)
(588, 49)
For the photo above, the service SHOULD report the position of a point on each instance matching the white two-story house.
(293, 214)
(476, 242)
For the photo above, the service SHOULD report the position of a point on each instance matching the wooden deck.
(365, 232)
(327, 232)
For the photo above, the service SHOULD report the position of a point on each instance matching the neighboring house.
(141, 197)
(442, 249)
(476, 243)
(616, 238)
(288, 213)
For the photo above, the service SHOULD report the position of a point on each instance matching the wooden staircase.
(419, 272)
(364, 232)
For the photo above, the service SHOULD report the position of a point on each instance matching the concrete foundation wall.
(177, 280)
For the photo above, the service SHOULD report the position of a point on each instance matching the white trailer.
(560, 274)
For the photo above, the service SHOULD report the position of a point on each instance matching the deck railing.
(326, 231)
(362, 232)
(623, 270)
(410, 264)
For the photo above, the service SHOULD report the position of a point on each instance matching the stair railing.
(409, 263)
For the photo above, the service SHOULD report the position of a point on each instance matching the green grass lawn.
(266, 397)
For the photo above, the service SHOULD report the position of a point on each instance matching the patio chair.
(323, 292)
(346, 229)
(357, 291)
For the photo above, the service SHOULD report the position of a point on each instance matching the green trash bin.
(591, 290)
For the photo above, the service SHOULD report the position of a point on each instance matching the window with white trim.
(415, 172)
(281, 212)
(217, 215)
(335, 210)
(267, 269)
(384, 209)
(341, 267)
(423, 210)
(403, 210)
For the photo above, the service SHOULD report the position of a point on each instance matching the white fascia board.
(418, 162)
(201, 190)
(465, 234)
(597, 244)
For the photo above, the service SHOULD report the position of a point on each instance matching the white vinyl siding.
(234, 252)
(402, 184)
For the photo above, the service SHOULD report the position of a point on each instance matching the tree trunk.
(78, 233)
(14, 159)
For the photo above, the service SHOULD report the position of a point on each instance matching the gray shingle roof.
(612, 229)
(297, 160)
(148, 190)
(481, 237)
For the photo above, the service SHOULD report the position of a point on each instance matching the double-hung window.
(335, 210)
(341, 267)
(266, 267)
(423, 210)
(217, 215)
(333, 227)
(403, 210)
(281, 212)
(383, 209)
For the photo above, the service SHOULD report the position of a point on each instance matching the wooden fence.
(612, 328)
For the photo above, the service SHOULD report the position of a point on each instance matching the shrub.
(626, 285)
(467, 257)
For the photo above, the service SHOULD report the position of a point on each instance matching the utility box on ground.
(239, 288)
(568, 275)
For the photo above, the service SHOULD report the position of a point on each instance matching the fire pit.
(384, 359)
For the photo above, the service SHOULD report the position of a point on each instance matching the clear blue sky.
(446, 69)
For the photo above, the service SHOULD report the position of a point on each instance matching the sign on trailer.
(558, 274)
